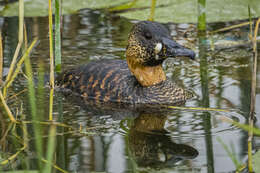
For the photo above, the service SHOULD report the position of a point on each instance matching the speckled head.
(150, 43)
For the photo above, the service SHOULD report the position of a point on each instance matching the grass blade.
(231, 154)
(198, 109)
(50, 149)
(32, 101)
(230, 27)
(51, 63)
(9, 113)
(20, 42)
(123, 6)
(19, 64)
(12, 157)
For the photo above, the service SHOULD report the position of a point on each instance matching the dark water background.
(145, 140)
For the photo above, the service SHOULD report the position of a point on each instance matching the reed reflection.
(204, 83)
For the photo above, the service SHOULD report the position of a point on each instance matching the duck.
(140, 79)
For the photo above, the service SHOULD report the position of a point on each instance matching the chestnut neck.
(146, 75)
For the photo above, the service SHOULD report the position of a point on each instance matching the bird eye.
(148, 35)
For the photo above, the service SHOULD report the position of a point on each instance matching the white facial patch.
(158, 48)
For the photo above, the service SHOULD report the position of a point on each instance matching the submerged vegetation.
(15, 127)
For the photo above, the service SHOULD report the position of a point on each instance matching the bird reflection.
(151, 144)
(148, 142)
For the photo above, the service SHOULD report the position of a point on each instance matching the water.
(147, 140)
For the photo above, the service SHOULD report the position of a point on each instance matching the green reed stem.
(57, 36)
(40, 114)
(151, 17)
(26, 140)
(202, 15)
(50, 149)
(1, 59)
(255, 38)
(32, 101)
(252, 101)
(40, 92)
(51, 63)
(20, 42)
(250, 22)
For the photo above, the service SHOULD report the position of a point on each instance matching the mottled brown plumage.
(140, 79)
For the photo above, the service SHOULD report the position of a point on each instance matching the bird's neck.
(146, 75)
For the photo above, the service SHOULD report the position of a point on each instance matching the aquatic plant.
(253, 95)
